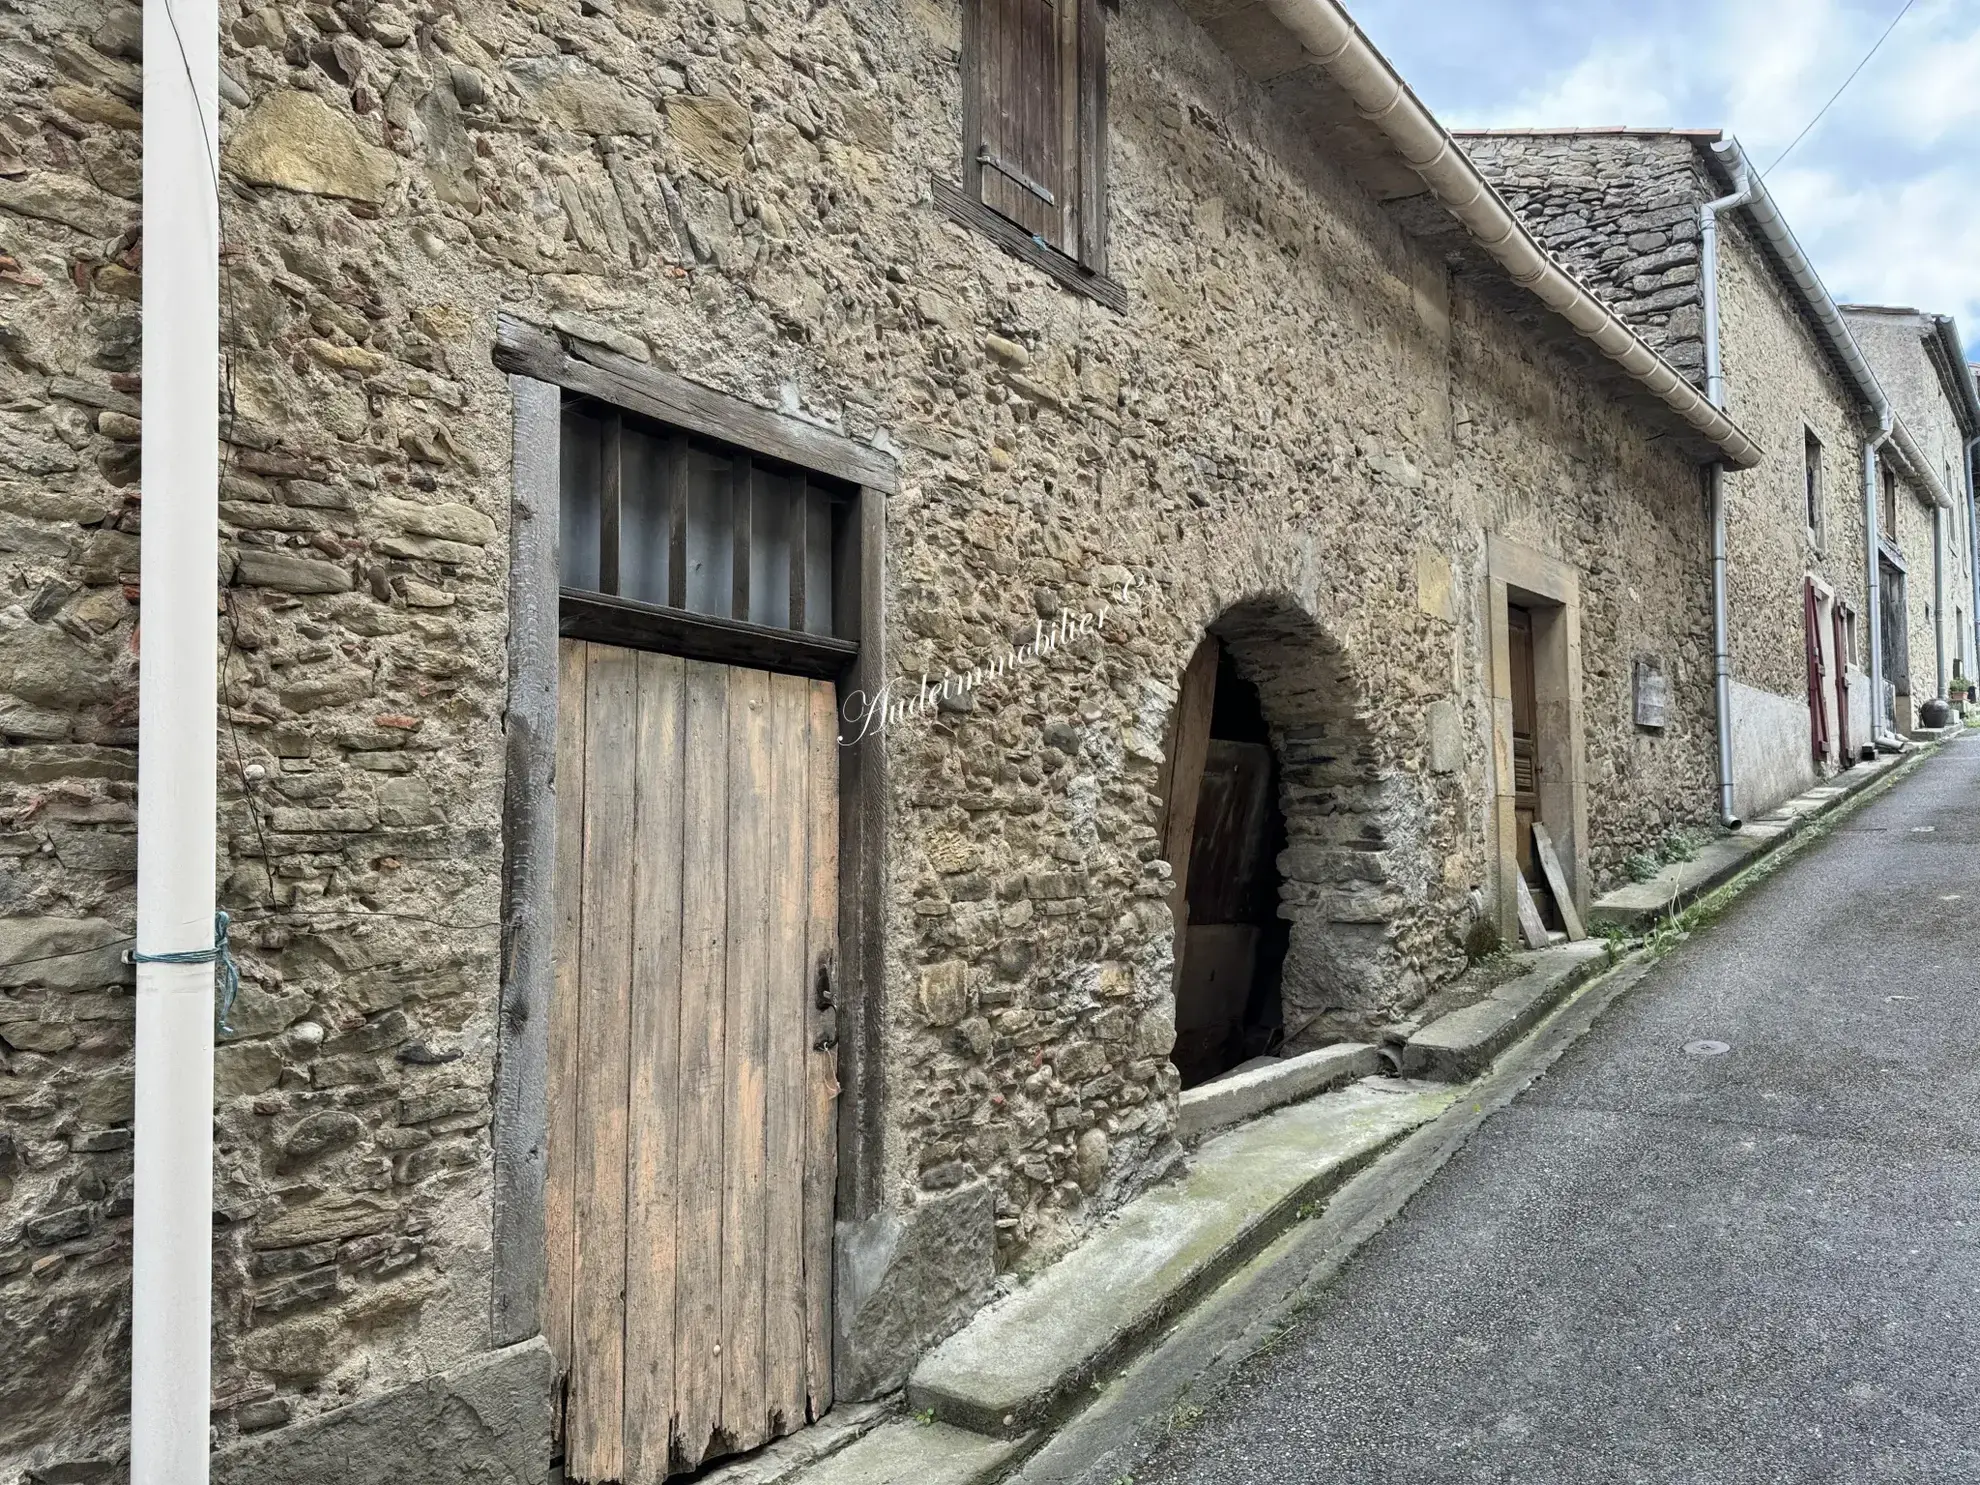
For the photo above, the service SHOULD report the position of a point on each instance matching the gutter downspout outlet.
(1715, 393)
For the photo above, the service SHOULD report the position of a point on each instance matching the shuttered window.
(1035, 100)
(672, 541)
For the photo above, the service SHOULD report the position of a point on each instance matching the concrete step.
(913, 1452)
(1271, 1083)
(1462, 1044)
(1027, 1359)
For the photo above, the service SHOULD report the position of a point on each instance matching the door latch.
(826, 999)
(826, 1041)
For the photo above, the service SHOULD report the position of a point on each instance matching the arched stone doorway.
(1278, 827)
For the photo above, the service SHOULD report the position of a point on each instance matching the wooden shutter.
(1818, 713)
(1026, 114)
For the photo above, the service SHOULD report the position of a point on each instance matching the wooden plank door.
(1189, 747)
(1227, 860)
(693, 1087)
(1526, 757)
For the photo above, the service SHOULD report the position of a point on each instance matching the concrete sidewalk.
(1637, 907)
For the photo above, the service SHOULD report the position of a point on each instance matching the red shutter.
(1023, 80)
(1818, 714)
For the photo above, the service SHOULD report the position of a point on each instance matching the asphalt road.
(1658, 1266)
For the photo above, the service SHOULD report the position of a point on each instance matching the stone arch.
(1340, 889)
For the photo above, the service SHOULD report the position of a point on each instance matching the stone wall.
(1781, 385)
(1619, 208)
(1302, 412)
(1894, 342)
(1622, 208)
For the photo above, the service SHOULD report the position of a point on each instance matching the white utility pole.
(171, 1281)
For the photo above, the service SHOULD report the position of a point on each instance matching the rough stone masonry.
(1306, 425)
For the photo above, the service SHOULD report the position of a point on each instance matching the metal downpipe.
(1973, 545)
(1721, 649)
(172, 1163)
(1715, 393)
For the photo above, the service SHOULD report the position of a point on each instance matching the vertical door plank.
(1189, 746)
(1532, 927)
(703, 1053)
(1557, 883)
(789, 915)
(822, 1077)
(595, 1417)
(560, 1153)
(744, 1151)
(653, 1121)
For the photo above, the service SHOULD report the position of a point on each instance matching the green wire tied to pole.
(221, 956)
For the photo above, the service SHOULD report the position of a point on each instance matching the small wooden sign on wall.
(1652, 694)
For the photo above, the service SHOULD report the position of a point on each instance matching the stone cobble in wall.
(1620, 211)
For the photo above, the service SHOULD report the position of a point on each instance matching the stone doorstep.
(1936, 734)
(1461, 1045)
(1637, 906)
(912, 1452)
(1026, 1360)
(783, 1460)
(1251, 1091)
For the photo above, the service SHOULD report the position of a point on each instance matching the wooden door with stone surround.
(1526, 757)
(693, 1084)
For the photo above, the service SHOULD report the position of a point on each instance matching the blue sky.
(1884, 194)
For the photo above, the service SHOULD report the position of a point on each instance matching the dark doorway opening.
(1233, 944)
(1526, 742)
(1894, 706)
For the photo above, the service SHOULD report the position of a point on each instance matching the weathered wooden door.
(1526, 756)
(1818, 672)
(692, 1081)
(1227, 863)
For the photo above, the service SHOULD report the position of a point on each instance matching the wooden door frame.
(542, 369)
(1518, 575)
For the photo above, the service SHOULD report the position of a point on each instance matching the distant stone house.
(1623, 208)
(1921, 362)
(805, 640)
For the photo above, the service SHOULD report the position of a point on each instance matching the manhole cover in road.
(1707, 1049)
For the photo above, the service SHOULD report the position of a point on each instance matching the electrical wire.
(129, 938)
(1841, 90)
(278, 916)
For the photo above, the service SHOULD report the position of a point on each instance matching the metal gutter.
(1385, 100)
(1946, 329)
(1766, 216)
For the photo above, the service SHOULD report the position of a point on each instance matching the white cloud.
(1931, 86)
(1776, 62)
(1617, 82)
